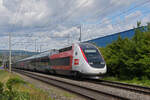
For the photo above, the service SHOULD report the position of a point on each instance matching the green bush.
(0, 63)
(1, 89)
(129, 58)
(10, 94)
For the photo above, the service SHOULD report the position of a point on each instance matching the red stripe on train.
(83, 55)
(62, 55)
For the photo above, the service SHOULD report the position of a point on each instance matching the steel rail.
(125, 86)
(84, 91)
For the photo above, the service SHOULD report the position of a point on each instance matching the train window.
(93, 56)
(45, 59)
(65, 49)
(76, 53)
(40, 62)
(60, 61)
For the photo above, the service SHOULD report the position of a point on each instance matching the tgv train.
(79, 60)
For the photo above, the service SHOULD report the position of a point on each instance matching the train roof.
(41, 55)
(50, 52)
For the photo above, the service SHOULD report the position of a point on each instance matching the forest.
(129, 58)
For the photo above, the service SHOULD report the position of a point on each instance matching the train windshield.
(93, 56)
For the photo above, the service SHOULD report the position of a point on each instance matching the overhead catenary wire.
(116, 23)
(85, 3)
(126, 11)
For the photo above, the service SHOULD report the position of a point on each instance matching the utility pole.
(40, 48)
(68, 39)
(10, 52)
(35, 45)
(80, 33)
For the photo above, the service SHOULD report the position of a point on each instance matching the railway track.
(84, 91)
(125, 86)
(134, 88)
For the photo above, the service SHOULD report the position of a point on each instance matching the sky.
(46, 24)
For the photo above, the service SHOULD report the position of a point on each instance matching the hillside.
(16, 55)
(17, 52)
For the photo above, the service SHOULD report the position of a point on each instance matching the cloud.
(146, 19)
(29, 13)
(42, 20)
(133, 15)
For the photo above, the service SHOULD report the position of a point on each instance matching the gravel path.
(54, 92)
(107, 89)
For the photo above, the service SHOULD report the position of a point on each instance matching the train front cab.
(87, 60)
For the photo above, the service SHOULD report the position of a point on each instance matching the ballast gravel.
(54, 92)
(119, 92)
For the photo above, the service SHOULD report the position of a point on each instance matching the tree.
(129, 58)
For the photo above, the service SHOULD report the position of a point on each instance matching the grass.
(142, 82)
(35, 93)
